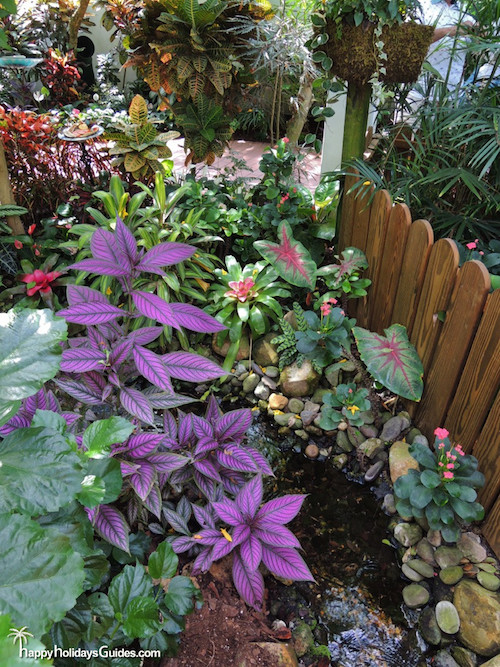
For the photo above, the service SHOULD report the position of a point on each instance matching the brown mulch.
(216, 633)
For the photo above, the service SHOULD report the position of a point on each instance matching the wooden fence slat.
(398, 227)
(491, 527)
(361, 216)
(438, 284)
(460, 326)
(480, 379)
(487, 452)
(347, 212)
(416, 257)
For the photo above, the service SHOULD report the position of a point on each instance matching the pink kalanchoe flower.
(450, 466)
(440, 464)
(286, 140)
(332, 301)
(325, 308)
(18, 244)
(241, 289)
(448, 475)
(448, 455)
(42, 281)
(459, 450)
(471, 245)
(441, 445)
(441, 433)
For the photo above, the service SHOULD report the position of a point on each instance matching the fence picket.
(491, 527)
(487, 452)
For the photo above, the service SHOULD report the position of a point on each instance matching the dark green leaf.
(162, 563)
(430, 479)
(179, 596)
(142, 618)
(132, 582)
(420, 496)
(100, 435)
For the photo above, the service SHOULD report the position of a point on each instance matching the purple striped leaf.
(103, 245)
(236, 458)
(80, 294)
(232, 481)
(94, 338)
(164, 254)
(229, 512)
(155, 308)
(120, 352)
(251, 553)
(249, 584)
(177, 522)
(100, 267)
(114, 379)
(78, 390)
(111, 331)
(203, 516)
(205, 444)
(195, 319)
(277, 536)
(70, 418)
(233, 425)
(91, 512)
(136, 404)
(192, 367)
(261, 461)
(287, 563)
(167, 461)
(128, 468)
(202, 562)
(91, 313)
(240, 534)
(81, 359)
(166, 401)
(181, 476)
(18, 421)
(222, 548)
(206, 486)
(185, 429)
(142, 481)
(207, 468)
(151, 366)
(250, 496)
(133, 510)
(202, 428)
(280, 510)
(169, 425)
(126, 241)
(145, 335)
(112, 526)
(95, 381)
(182, 544)
(142, 444)
(213, 411)
(208, 536)
(153, 501)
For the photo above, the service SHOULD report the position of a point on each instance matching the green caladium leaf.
(41, 574)
(30, 355)
(40, 472)
(392, 360)
(142, 618)
(179, 596)
(9, 648)
(162, 564)
(101, 434)
(132, 582)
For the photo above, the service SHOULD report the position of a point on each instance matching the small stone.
(277, 402)
(319, 395)
(269, 383)
(325, 452)
(411, 435)
(342, 426)
(241, 377)
(408, 533)
(313, 430)
(479, 611)
(428, 626)
(392, 429)
(447, 556)
(239, 369)
(444, 659)
(303, 435)
(312, 451)
(343, 442)
(447, 617)
(374, 471)
(303, 639)
(284, 430)
(310, 406)
(369, 431)
(494, 662)
(420, 440)
(434, 538)
(272, 371)
(265, 653)
(422, 522)
(297, 424)
(422, 567)
(451, 575)
(332, 375)
(299, 381)
(355, 437)
(284, 419)
(291, 318)
(426, 551)
(347, 366)
(368, 418)
(488, 581)
(295, 405)
(406, 419)
(487, 567)
(222, 350)
(250, 383)
(409, 572)
(464, 657)
(340, 461)
(415, 596)
(400, 460)
(308, 417)
(261, 391)
(389, 504)
(371, 447)
(264, 352)
(262, 406)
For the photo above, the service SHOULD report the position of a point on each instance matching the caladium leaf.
(392, 360)
(152, 367)
(351, 260)
(164, 254)
(81, 359)
(195, 319)
(155, 308)
(112, 526)
(136, 404)
(91, 313)
(290, 259)
(191, 367)
(249, 583)
(286, 563)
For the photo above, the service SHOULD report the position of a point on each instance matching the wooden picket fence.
(451, 317)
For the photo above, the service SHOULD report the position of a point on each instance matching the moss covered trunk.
(356, 118)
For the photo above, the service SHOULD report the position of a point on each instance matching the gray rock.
(434, 538)
(332, 375)
(444, 659)
(471, 547)
(479, 611)
(494, 662)
(308, 417)
(295, 405)
(392, 429)
(374, 471)
(369, 431)
(264, 353)
(411, 435)
(447, 556)
(355, 437)
(400, 460)
(463, 656)
(368, 418)
(239, 369)
(269, 383)
(310, 406)
(415, 596)
(250, 383)
(428, 627)
(447, 617)
(409, 572)
(347, 366)
(451, 575)
(408, 533)
(261, 391)
(420, 439)
(371, 447)
(319, 395)
(422, 568)
(389, 504)
(339, 461)
(297, 381)
(297, 424)
(313, 430)
(426, 551)
(303, 639)
(488, 581)
(272, 371)
(284, 419)
(343, 442)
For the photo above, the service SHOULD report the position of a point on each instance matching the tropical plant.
(353, 403)
(60, 77)
(443, 488)
(344, 278)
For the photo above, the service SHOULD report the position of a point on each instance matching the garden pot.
(355, 56)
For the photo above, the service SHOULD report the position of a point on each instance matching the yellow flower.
(255, 272)
(278, 412)
(226, 535)
(224, 273)
(255, 407)
(367, 183)
(196, 537)
(109, 291)
(353, 409)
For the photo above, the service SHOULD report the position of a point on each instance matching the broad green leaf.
(39, 471)
(101, 434)
(41, 574)
(108, 470)
(179, 596)
(392, 360)
(142, 618)
(49, 419)
(423, 455)
(93, 491)
(132, 582)
(403, 485)
(163, 562)
(9, 647)
(420, 497)
(430, 479)
(30, 355)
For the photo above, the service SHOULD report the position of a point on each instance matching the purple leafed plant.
(98, 367)
(42, 400)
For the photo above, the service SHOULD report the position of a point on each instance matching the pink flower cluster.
(326, 307)
(446, 463)
(241, 289)
(472, 245)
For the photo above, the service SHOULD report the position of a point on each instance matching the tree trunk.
(356, 118)
(304, 100)
(74, 24)
(6, 197)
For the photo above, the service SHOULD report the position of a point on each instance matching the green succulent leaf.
(430, 479)
(423, 455)
(404, 485)
(420, 496)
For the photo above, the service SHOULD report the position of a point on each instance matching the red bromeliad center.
(241, 290)
(42, 281)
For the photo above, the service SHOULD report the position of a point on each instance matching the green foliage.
(353, 403)
(443, 489)
(286, 344)
(345, 277)
(9, 647)
(324, 338)
(30, 354)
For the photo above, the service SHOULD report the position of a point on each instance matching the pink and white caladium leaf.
(289, 258)
(392, 360)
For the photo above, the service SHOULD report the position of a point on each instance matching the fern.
(299, 316)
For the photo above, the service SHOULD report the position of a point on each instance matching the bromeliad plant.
(443, 489)
(353, 403)
(98, 367)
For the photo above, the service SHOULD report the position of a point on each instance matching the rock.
(410, 573)
(271, 384)
(371, 447)
(408, 533)
(303, 435)
(447, 617)
(262, 406)
(343, 442)
(479, 611)
(250, 383)
(308, 416)
(369, 431)
(464, 657)
(444, 659)
(303, 639)
(415, 596)
(389, 504)
(264, 352)
(426, 551)
(332, 375)
(422, 522)
(291, 319)
(272, 371)
(319, 395)
(265, 653)
(471, 547)
(421, 440)
(310, 406)
(488, 581)
(428, 626)
(297, 381)
(339, 461)
(494, 662)
(434, 538)
(312, 452)
(411, 435)
(261, 391)
(284, 419)
(447, 556)
(451, 575)
(355, 437)
(222, 350)
(295, 405)
(422, 567)
(297, 424)
(342, 426)
(487, 567)
(313, 430)
(374, 471)
(400, 460)
(347, 366)
(392, 429)
(277, 402)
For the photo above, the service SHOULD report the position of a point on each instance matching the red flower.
(42, 281)
(18, 244)
(31, 229)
